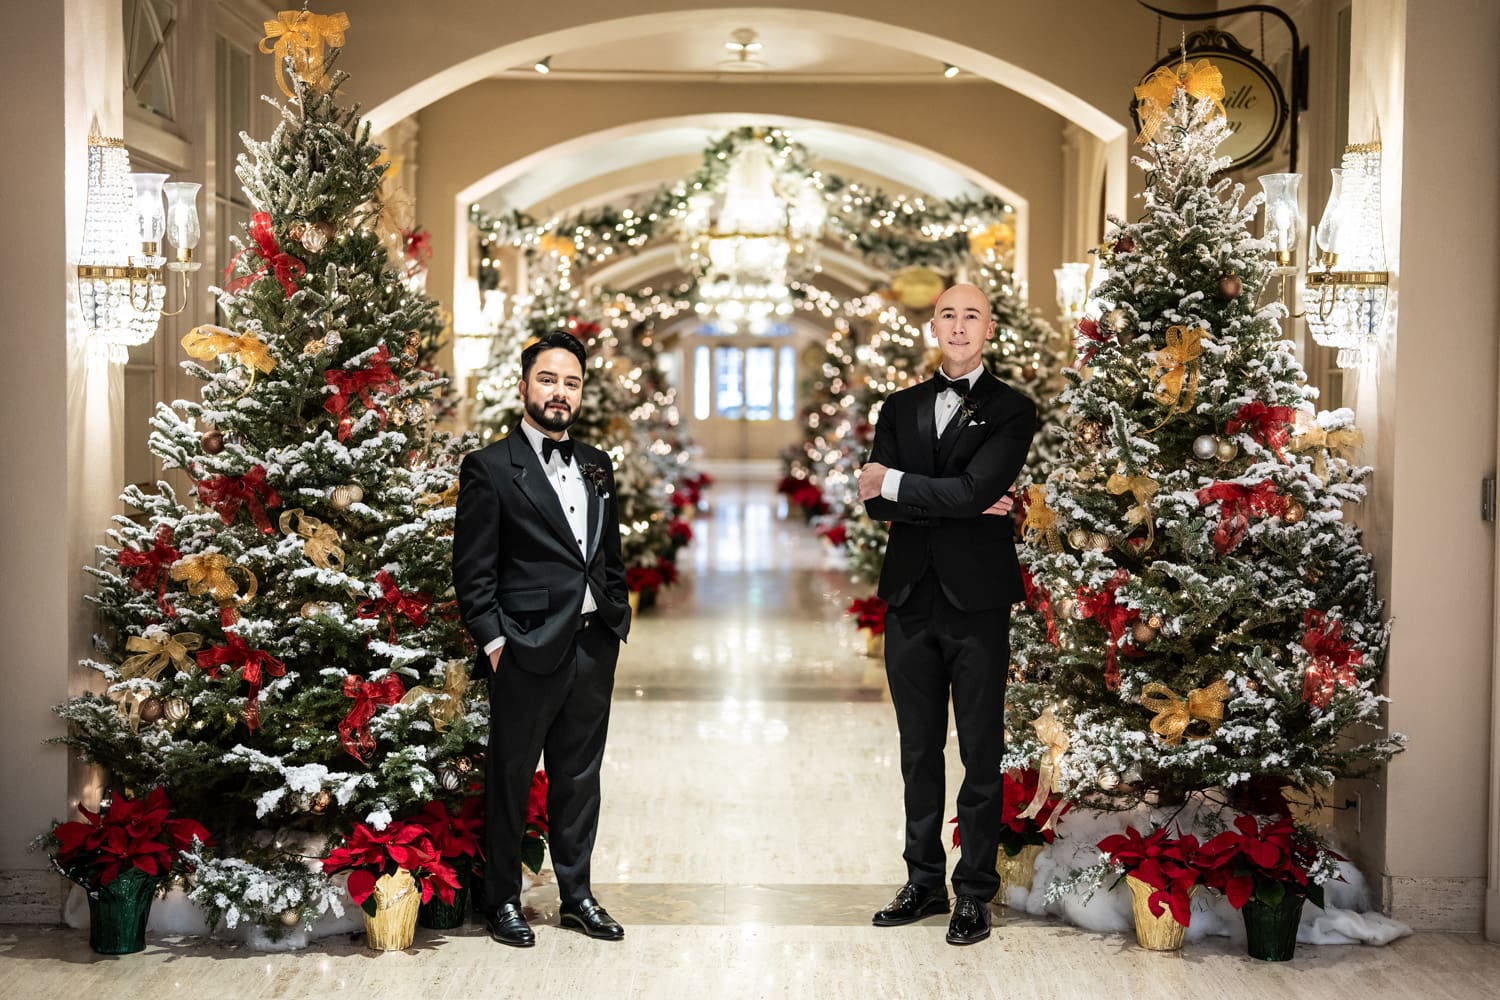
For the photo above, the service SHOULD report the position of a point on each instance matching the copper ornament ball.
(1090, 432)
(463, 765)
(1124, 244)
(316, 236)
(212, 442)
(322, 800)
(1155, 621)
(1231, 286)
(1294, 512)
(1142, 633)
(152, 710)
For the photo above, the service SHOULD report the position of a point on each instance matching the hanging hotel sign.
(1253, 98)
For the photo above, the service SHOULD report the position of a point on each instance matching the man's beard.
(551, 420)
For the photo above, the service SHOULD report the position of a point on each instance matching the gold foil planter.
(635, 603)
(874, 644)
(1017, 871)
(1161, 933)
(394, 924)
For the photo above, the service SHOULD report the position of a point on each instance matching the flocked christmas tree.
(1202, 617)
(281, 648)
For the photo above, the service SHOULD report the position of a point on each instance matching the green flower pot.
(440, 916)
(1271, 930)
(118, 913)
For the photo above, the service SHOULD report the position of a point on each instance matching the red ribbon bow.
(392, 602)
(151, 567)
(417, 247)
(354, 730)
(1270, 425)
(1038, 600)
(1089, 340)
(1334, 661)
(236, 654)
(226, 494)
(286, 267)
(348, 384)
(1236, 504)
(1102, 607)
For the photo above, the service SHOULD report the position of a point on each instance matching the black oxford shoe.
(588, 916)
(507, 925)
(971, 921)
(912, 903)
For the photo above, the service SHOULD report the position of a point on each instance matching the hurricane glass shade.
(1282, 222)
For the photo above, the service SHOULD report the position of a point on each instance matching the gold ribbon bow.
(1142, 488)
(563, 246)
(1174, 716)
(447, 704)
(153, 655)
(129, 700)
(302, 35)
(209, 341)
(1155, 93)
(1041, 520)
(209, 573)
(1176, 366)
(993, 243)
(1340, 442)
(321, 545)
(447, 498)
(1054, 737)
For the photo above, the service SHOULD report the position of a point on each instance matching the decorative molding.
(1454, 905)
(31, 896)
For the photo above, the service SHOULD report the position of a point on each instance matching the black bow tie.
(960, 386)
(563, 448)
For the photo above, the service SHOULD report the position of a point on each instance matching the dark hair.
(549, 341)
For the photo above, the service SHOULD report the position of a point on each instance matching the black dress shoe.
(507, 925)
(912, 903)
(971, 921)
(588, 916)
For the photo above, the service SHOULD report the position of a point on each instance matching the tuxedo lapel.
(531, 480)
(595, 517)
(926, 431)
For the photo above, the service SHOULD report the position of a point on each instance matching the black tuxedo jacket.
(517, 571)
(937, 520)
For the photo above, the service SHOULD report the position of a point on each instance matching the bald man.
(946, 452)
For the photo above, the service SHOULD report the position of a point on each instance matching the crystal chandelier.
(120, 271)
(766, 230)
(1347, 290)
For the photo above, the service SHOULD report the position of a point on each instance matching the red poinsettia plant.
(454, 834)
(1171, 865)
(126, 834)
(1017, 831)
(534, 840)
(1266, 862)
(369, 853)
(869, 613)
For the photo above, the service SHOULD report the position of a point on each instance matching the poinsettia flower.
(130, 833)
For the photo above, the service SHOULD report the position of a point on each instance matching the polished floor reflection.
(751, 825)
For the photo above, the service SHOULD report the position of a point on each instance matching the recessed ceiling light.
(544, 66)
(950, 70)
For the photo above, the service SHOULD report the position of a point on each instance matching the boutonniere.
(596, 476)
(966, 408)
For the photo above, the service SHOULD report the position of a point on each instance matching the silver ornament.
(1205, 446)
(449, 778)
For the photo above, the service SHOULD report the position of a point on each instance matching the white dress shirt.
(567, 482)
(945, 407)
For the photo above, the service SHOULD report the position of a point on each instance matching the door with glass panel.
(743, 395)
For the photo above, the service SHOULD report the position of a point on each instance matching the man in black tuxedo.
(946, 452)
(541, 586)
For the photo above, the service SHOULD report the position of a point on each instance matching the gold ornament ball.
(321, 800)
(316, 236)
(1142, 633)
(1098, 540)
(1078, 538)
(463, 765)
(1067, 607)
(1117, 322)
(1205, 446)
(212, 442)
(346, 496)
(1155, 621)
(1226, 450)
(313, 609)
(398, 418)
(1294, 512)
(1090, 432)
(176, 710)
(152, 710)
(1231, 286)
(290, 918)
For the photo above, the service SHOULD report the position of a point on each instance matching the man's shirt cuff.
(493, 645)
(890, 486)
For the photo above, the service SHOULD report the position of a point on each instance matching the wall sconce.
(1347, 288)
(1072, 290)
(121, 286)
(1283, 218)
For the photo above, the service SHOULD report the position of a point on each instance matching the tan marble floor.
(751, 824)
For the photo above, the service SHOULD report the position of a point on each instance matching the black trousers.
(931, 649)
(564, 715)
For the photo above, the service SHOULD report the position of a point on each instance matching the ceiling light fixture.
(544, 66)
(950, 70)
(744, 44)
